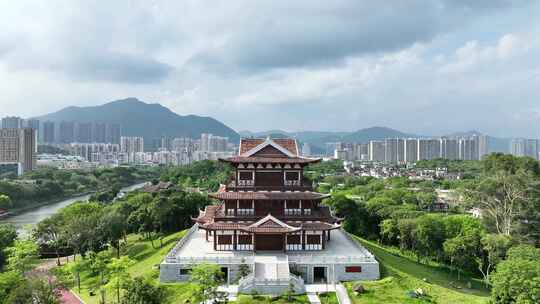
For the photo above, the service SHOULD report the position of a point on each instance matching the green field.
(401, 275)
(147, 259)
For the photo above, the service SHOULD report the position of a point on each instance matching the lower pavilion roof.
(269, 195)
(270, 160)
(290, 228)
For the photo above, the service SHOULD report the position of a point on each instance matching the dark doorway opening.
(319, 275)
(225, 273)
(269, 242)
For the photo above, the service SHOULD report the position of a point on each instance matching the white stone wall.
(171, 272)
(370, 271)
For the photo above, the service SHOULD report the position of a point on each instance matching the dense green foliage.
(204, 174)
(397, 212)
(517, 279)
(317, 171)
(47, 184)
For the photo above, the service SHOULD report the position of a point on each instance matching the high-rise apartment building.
(394, 150)
(99, 134)
(531, 148)
(131, 144)
(517, 147)
(114, 132)
(410, 149)
(377, 150)
(67, 132)
(483, 146)
(449, 148)
(18, 146)
(429, 149)
(213, 143)
(49, 132)
(468, 148)
(84, 132)
(12, 122)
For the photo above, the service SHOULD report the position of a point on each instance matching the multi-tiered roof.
(268, 194)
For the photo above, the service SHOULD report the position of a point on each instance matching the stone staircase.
(271, 276)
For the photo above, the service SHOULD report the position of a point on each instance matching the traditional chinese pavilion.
(269, 217)
(268, 204)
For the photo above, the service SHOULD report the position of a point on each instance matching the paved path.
(341, 293)
(313, 298)
(66, 295)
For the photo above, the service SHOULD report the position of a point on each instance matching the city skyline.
(335, 70)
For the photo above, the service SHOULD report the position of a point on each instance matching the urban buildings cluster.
(66, 132)
(525, 147)
(409, 150)
(18, 149)
(93, 144)
(131, 150)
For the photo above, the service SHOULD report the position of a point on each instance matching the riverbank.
(31, 216)
(18, 211)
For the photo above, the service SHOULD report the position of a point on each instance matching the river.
(31, 217)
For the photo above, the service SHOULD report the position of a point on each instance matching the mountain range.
(153, 121)
(150, 121)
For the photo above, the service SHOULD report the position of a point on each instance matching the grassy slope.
(401, 275)
(147, 258)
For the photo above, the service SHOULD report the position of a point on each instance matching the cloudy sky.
(424, 66)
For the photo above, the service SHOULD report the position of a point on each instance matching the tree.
(112, 227)
(462, 251)
(426, 199)
(495, 247)
(117, 269)
(517, 279)
(35, 290)
(8, 234)
(141, 291)
(430, 236)
(5, 202)
(500, 196)
(75, 268)
(9, 280)
(22, 255)
(207, 278)
(49, 231)
(243, 269)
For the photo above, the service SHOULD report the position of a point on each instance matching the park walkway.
(43, 270)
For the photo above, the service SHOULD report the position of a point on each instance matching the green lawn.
(147, 259)
(401, 275)
(328, 298)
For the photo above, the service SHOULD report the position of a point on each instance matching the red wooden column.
(303, 240)
(254, 242)
(285, 242)
(215, 241)
(323, 239)
(235, 241)
(206, 231)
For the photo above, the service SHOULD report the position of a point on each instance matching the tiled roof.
(268, 195)
(208, 215)
(272, 160)
(247, 144)
(273, 228)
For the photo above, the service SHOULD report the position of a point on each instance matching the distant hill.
(318, 139)
(143, 119)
